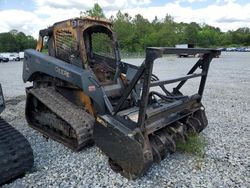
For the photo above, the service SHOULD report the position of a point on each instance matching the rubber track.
(81, 121)
(16, 156)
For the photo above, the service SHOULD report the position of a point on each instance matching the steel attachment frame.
(144, 73)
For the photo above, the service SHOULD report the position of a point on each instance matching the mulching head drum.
(132, 153)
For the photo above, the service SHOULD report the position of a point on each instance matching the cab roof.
(80, 21)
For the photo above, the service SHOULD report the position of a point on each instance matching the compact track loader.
(16, 156)
(83, 93)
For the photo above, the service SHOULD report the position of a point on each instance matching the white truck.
(14, 57)
(11, 56)
(184, 46)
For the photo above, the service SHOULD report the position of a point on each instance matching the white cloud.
(191, 1)
(225, 1)
(81, 4)
(20, 20)
(225, 15)
(215, 15)
(140, 2)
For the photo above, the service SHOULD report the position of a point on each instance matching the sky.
(29, 16)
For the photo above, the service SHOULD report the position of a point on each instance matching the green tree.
(141, 32)
(209, 36)
(15, 41)
(136, 33)
(191, 33)
(96, 11)
(167, 32)
(7, 42)
(125, 31)
(241, 36)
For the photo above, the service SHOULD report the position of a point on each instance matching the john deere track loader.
(83, 93)
(16, 156)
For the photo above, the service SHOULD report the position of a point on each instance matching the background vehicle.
(184, 46)
(16, 156)
(10, 56)
(3, 59)
(14, 57)
(83, 93)
(21, 55)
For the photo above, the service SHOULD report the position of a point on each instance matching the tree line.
(136, 33)
(15, 41)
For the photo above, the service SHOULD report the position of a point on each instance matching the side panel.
(36, 63)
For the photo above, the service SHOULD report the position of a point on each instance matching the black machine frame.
(145, 73)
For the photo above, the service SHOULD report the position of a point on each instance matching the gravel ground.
(227, 152)
(11, 79)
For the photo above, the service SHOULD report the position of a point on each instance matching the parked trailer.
(21, 55)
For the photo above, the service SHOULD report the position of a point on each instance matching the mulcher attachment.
(136, 137)
(131, 153)
(165, 140)
(128, 154)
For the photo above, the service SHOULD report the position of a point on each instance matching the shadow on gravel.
(15, 100)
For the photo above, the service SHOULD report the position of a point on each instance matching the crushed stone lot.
(226, 162)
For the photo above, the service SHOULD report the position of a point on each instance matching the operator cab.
(100, 49)
(103, 58)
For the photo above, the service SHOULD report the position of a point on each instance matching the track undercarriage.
(56, 117)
